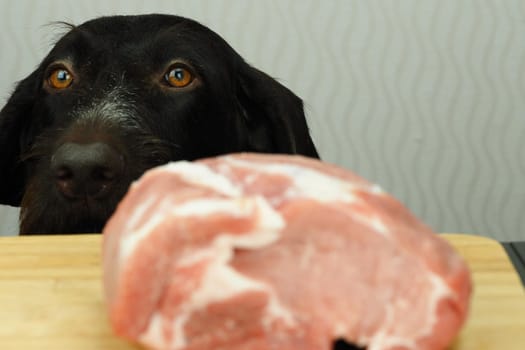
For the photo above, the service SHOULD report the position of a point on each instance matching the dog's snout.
(86, 170)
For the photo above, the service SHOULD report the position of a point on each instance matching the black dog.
(119, 95)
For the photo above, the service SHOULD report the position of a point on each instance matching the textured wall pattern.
(426, 98)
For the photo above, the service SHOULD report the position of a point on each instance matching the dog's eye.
(60, 78)
(178, 77)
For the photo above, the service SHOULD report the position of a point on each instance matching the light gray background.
(425, 97)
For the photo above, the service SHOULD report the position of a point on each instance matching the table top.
(51, 295)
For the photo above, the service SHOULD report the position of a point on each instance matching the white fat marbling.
(220, 281)
(383, 337)
(201, 175)
(307, 183)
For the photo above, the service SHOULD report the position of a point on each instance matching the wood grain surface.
(497, 316)
(51, 295)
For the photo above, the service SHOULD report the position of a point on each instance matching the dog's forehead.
(121, 31)
(136, 37)
(131, 26)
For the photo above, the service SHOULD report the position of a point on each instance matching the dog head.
(118, 95)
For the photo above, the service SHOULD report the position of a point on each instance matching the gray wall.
(425, 97)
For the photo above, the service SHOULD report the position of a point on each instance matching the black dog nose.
(86, 170)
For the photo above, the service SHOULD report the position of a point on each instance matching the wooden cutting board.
(51, 296)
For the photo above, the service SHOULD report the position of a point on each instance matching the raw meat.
(260, 252)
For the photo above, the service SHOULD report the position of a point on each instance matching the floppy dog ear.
(274, 115)
(15, 116)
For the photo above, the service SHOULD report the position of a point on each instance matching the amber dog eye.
(178, 77)
(60, 78)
